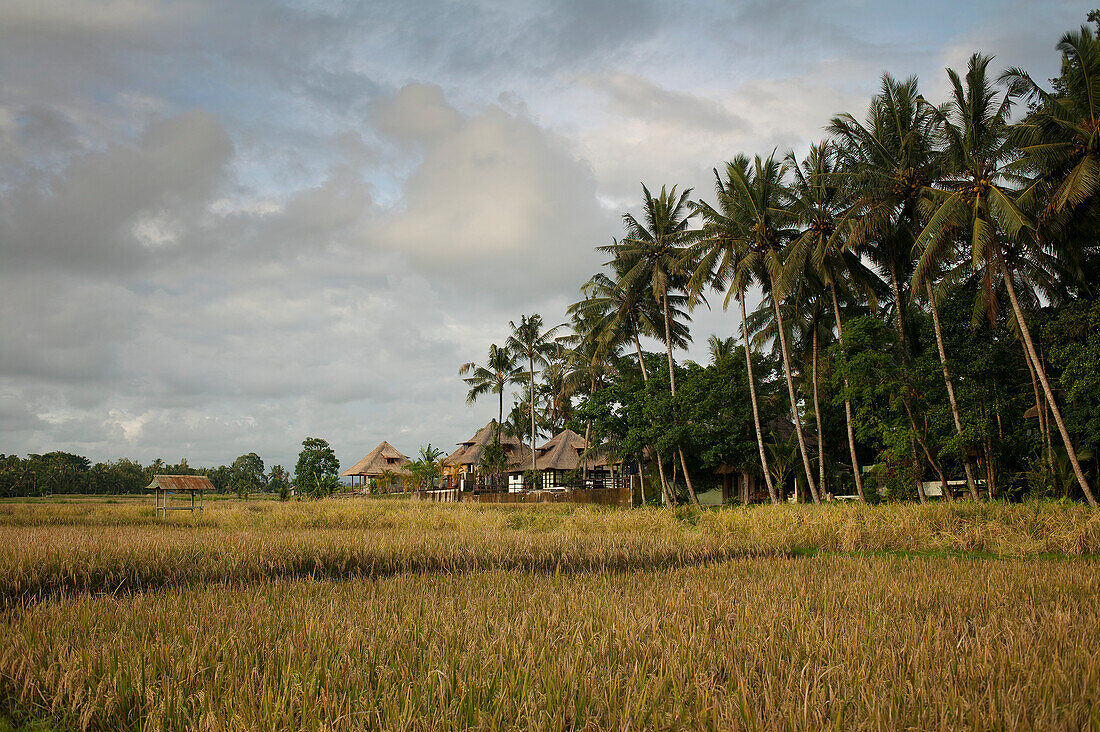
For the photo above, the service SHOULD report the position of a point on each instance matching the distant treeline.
(63, 472)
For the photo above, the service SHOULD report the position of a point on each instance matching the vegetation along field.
(397, 614)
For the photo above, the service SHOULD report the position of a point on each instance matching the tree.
(528, 340)
(725, 261)
(819, 197)
(499, 371)
(620, 310)
(427, 468)
(1060, 148)
(658, 250)
(278, 480)
(977, 198)
(315, 474)
(766, 227)
(892, 160)
(248, 474)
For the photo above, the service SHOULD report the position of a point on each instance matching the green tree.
(499, 371)
(978, 198)
(529, 340)
(315, 474)
(658, 249)
(278, 481)
(248, 474)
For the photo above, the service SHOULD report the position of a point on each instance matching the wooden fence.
(621, 495)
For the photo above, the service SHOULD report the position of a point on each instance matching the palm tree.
(622, 312)
(818, 200)
(499, 370)
(528, 340)
(589, 362)
(724, 261)
(891, 159)
(657, 249)
(765, 222)
(977, 198)
(1060, 139)
(721, 348)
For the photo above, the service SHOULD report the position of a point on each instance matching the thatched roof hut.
(565, 451)
(383, 458)
(468, 455)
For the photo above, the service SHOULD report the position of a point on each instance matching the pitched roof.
(380, 459)
(469, 452)
(181, 483)
(564, 451)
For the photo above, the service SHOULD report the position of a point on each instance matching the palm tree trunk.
(790, 392)
(672, 387)
(531, 404)
(1040, 413)
(899, 311)
(1030, 350)
(817, 419)
(666, 491)
(847, 401)
(968, 464)
(641, 477)
(755, 407)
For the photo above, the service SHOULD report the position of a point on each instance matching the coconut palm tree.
(528, 340)
(725, 261)
(621, 312)
(804, 315)
(760, 201)
(721, 348)
(1060, 140)
(656, 250)
(499, 371)
(979, 198)
(891, 160)
(819, 198)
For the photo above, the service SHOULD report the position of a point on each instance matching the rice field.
(345, 615)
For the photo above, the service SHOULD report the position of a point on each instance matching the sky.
(228, 226)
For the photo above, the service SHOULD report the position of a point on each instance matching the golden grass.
(377, 614)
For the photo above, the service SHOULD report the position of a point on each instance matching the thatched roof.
(181, 483)
(468, 454)
(565, 451)
(380, 459)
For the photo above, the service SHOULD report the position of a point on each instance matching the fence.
(617, 492)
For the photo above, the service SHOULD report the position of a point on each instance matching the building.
(562, 460)
(462, 465)
(384, 459)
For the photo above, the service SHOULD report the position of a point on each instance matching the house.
(383, 459)
(462, 465)
(562, 458)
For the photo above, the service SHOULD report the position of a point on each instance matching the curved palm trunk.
(1040, 411)
(847, 401)
(790, 392)
(666, 491)
(755, 408)
(817, 419)
(672, 387)
(968, 463)
(1030, 350)
(531, 404)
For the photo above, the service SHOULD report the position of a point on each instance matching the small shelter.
(382, 459)
(462, 464)
(169, 485)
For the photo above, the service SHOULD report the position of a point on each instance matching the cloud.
(496, 202)
(111, 209)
